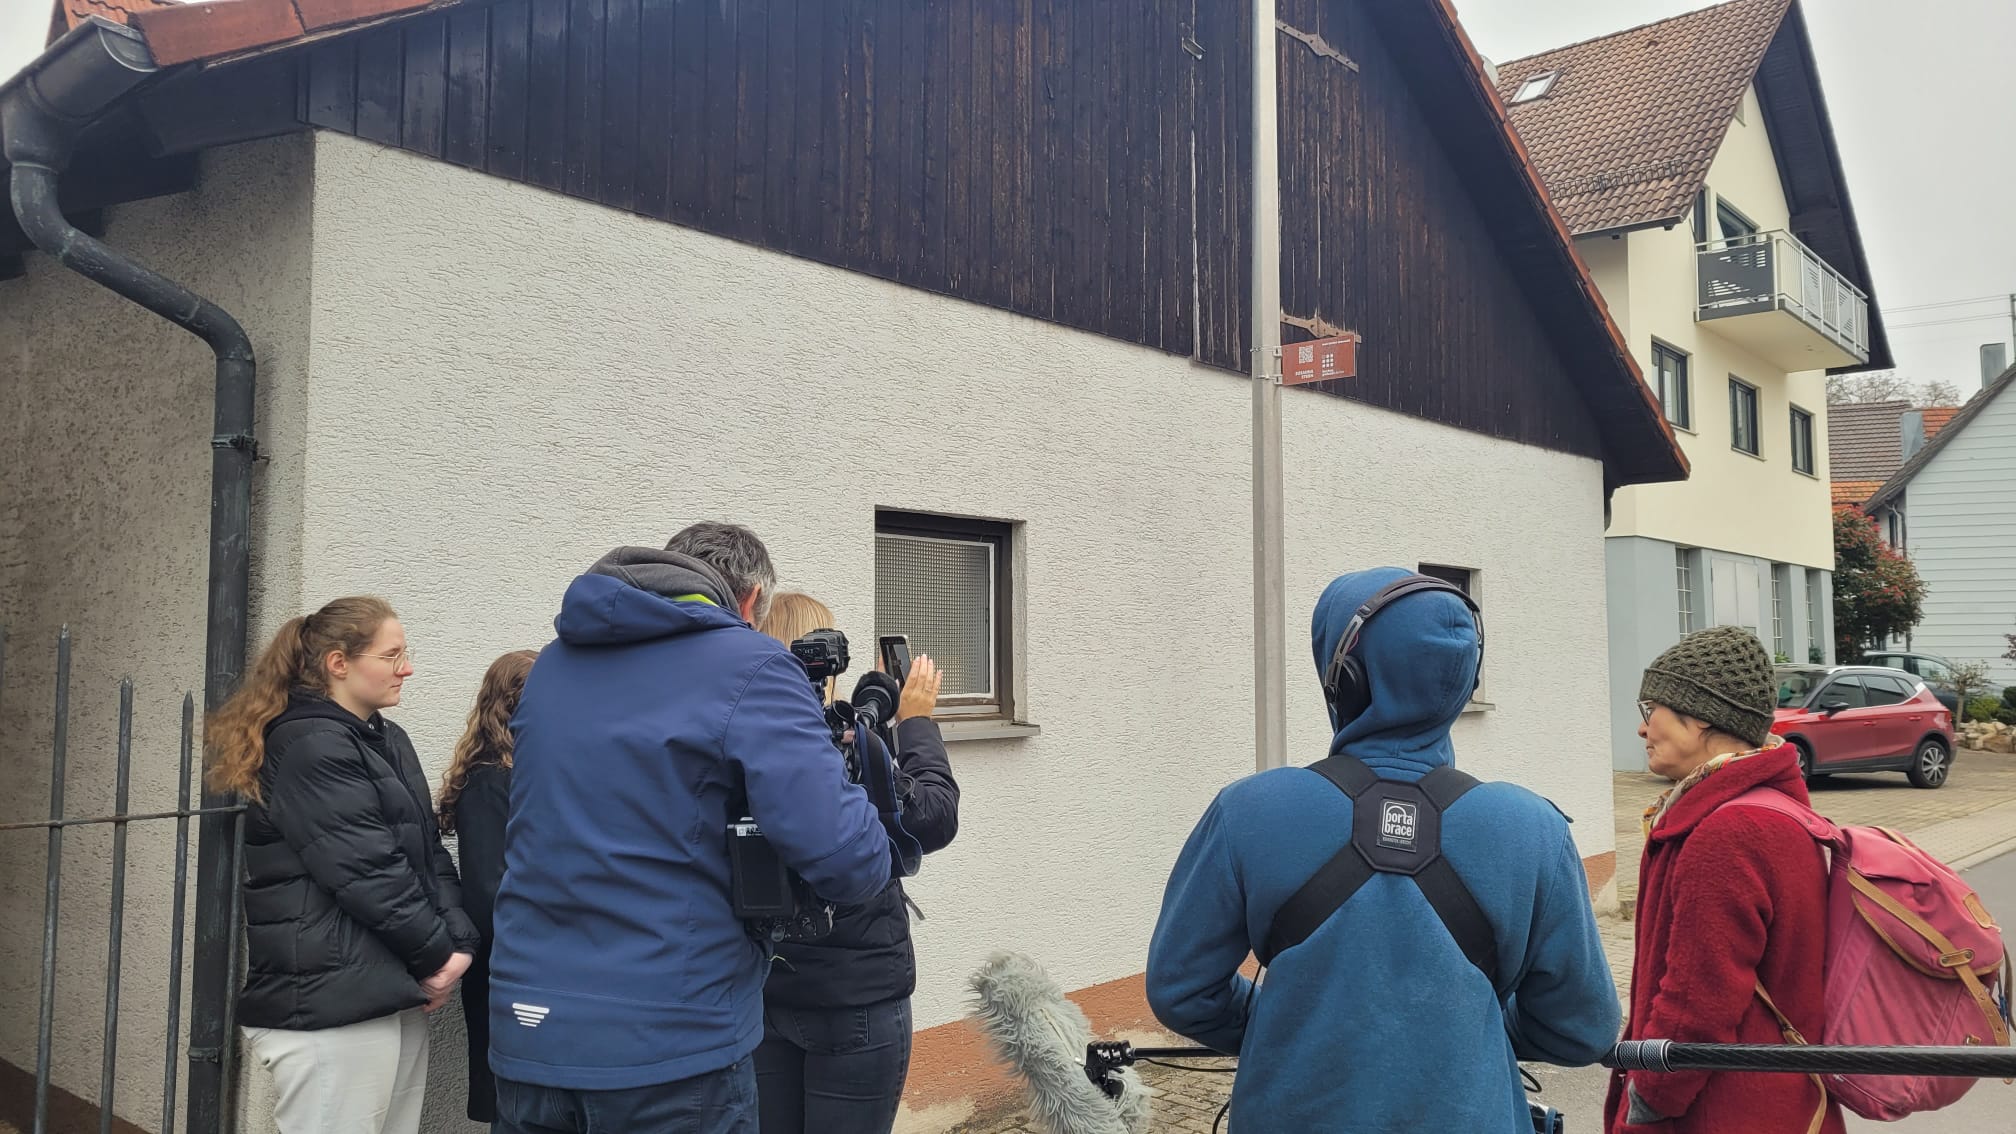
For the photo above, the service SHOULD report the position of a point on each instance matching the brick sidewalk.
(1952, 821)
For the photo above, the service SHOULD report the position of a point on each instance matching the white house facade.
(1674, 178)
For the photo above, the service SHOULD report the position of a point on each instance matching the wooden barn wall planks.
(1380, 236)
(1083, 163)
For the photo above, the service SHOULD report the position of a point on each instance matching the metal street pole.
(1270, 611)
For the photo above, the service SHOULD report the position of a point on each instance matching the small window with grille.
(944, 582)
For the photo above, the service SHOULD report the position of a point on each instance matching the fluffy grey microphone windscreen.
(1042, 1036)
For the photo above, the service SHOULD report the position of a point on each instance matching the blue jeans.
(833, 1070)
(719, 1102)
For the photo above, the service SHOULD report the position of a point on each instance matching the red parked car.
(1855, 718)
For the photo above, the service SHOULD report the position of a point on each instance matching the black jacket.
(350, 898)
(480, 812)
(868, 959)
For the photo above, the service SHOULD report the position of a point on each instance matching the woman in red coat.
(1731, 901)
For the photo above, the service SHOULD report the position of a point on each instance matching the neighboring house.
(1951, 509)
(954, 308)
(1693, 160)
(1868, 442)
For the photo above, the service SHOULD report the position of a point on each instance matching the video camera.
(768, 895)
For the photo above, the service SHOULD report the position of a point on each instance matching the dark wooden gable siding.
(1033, 155)
(1381, 236)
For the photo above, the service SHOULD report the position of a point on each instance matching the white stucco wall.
(504, 383)
(1371, 488)
(1734, 502)
(104, 521)
(508, 382)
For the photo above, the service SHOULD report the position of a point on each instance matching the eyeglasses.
(399, 660)
(1645, 710)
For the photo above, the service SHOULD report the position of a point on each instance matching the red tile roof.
(1854, 491)
(1865, 440)
(182, 33)
(118, 11)
(1625, 135)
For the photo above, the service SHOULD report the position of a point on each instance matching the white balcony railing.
(1774, 271)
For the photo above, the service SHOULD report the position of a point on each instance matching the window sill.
(1749, 454)
(1479, 707)
(955, 730)
(1805, 473)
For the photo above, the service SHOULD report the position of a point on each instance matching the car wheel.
(1930, 765)
(1805, 756)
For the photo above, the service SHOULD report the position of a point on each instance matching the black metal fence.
(119, 820)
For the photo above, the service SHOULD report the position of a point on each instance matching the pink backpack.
(1912, 958)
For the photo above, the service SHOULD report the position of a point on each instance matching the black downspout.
(38, 143)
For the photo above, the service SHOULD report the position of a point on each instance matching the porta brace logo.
(1397, 824)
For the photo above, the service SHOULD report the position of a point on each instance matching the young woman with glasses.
(353, 912)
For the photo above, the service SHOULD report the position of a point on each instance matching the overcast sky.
(1925, 134)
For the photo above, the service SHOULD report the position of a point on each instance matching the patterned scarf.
(1672, 795)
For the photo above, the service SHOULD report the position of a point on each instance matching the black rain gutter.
(43, 110)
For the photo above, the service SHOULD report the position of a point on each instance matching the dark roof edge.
(1635, 226)
(1618, 468)
(1801, 43)
(1894, 487)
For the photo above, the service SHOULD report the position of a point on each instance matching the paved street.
(1972, 817)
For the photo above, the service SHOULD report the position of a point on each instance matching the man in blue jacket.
(1378, 1020)
(625, 995)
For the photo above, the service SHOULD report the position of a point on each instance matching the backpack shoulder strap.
(1771, 799)
(1792, 1036)
(1445, 785)
(1334, 882)
(1348, 772)
(1444, 888)
(1461, 915)
(1347, 871)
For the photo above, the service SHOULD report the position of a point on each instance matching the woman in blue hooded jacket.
(1378, 1021)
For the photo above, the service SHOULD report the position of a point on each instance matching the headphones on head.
(1345, 687)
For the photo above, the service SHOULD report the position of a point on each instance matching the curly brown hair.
(487, 737)
(235, 735)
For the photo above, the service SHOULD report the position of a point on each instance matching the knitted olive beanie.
(1721, 676)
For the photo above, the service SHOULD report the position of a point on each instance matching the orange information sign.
(1319, 360)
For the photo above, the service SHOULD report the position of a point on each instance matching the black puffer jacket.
(350, 898)
(480, 814)
(868, 958)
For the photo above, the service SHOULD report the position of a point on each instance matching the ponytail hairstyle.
(487, 737)
(235, 735)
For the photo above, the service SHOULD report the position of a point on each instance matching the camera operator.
(1421, 931)
(836, 1011)
(625, 994)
